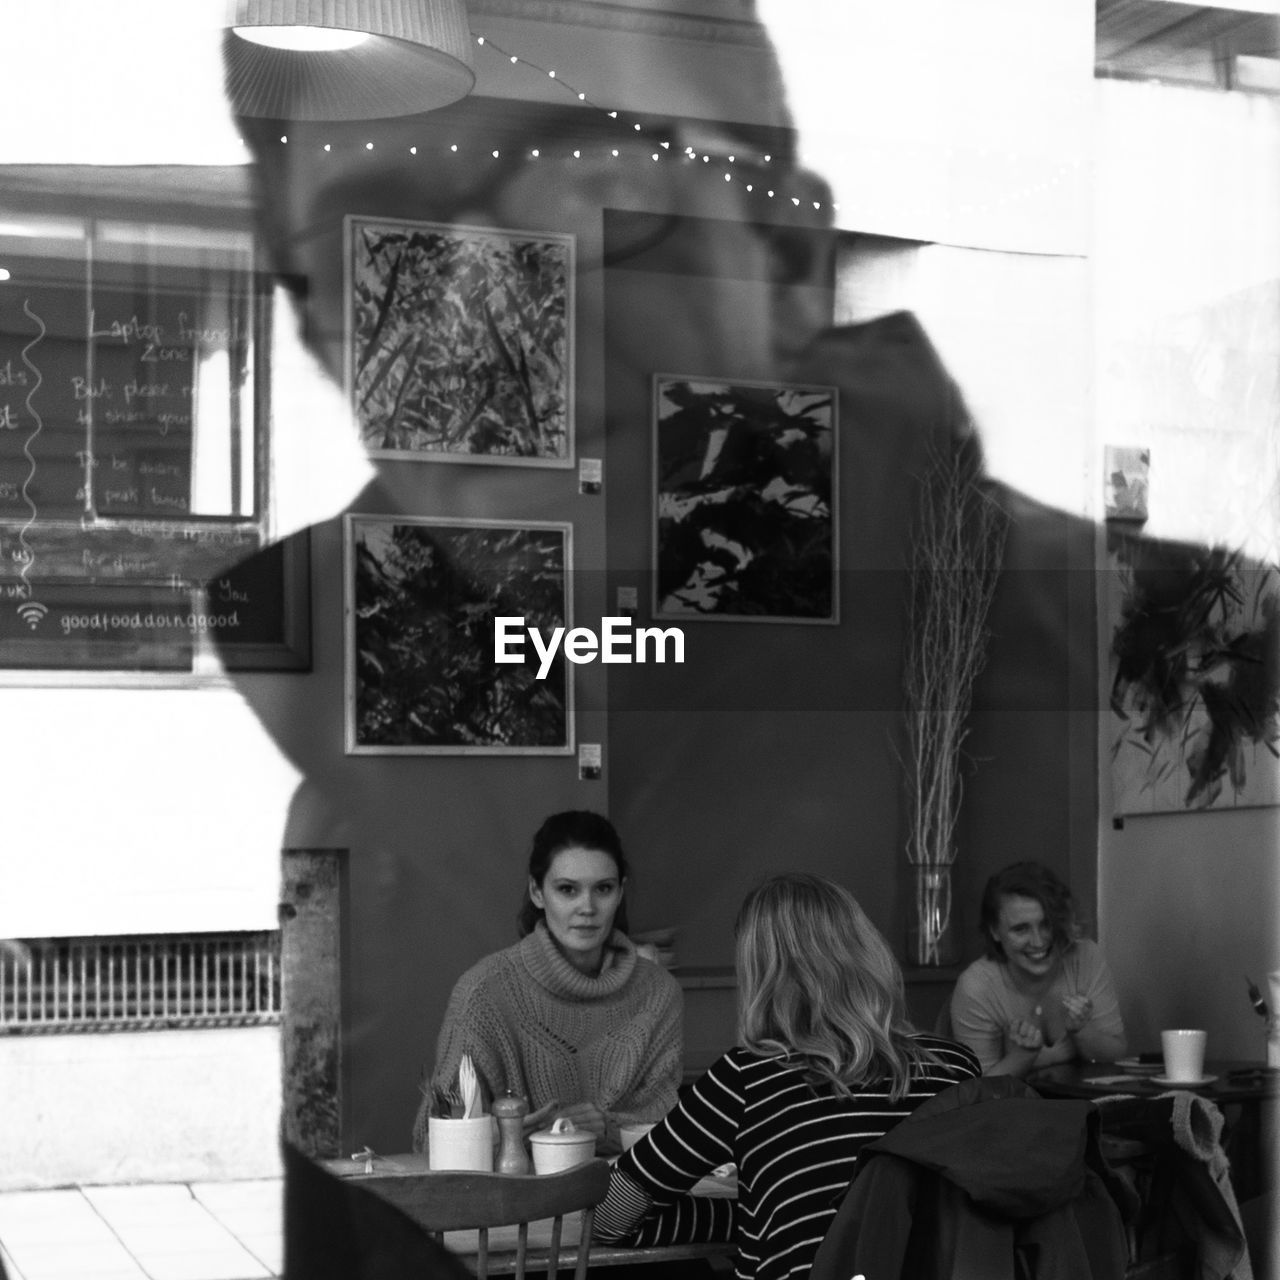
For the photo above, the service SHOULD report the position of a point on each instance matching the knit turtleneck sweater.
(539, 1027)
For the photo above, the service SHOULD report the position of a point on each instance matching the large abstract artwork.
(460, 342)
(745, 502)
(1195, 677)
(422, 596)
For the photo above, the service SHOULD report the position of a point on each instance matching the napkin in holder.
(465, 1141)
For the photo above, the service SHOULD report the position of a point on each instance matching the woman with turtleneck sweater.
(570, 1017)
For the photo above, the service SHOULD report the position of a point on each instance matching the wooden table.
(502, 1240)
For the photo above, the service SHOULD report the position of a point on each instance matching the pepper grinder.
(509, 1111)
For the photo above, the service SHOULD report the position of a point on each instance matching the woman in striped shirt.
(827, 1063)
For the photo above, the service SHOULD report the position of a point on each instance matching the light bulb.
(304, 39)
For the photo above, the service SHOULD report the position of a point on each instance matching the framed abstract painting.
(422, 596)
(744, 501)
(460, 342)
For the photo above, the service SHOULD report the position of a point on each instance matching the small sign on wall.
(590, 761)
(1127, 470)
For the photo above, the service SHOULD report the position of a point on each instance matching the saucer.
(1184, 1084)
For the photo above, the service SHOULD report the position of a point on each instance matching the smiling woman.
(1042, 994)
(570, 1017)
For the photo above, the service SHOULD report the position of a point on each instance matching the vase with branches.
(956, 557)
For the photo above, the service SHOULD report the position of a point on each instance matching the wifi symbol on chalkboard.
(32, 612)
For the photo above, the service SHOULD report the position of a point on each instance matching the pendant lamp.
(346, 59)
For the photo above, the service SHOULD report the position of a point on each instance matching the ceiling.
(1195, 43)
(1206, 44)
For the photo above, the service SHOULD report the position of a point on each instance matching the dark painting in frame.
(745, 504)
(422, 595)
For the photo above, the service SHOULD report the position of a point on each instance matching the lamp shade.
(416, 56)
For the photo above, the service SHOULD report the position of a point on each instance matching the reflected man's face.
(558, 178)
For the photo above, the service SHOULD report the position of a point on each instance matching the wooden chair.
(463, 1201)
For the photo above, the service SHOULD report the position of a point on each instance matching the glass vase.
(932, 934)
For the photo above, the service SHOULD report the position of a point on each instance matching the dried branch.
(955, 565)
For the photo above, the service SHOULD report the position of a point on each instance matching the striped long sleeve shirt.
(795, 1148)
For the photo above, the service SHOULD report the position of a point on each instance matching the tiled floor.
(158, 1231)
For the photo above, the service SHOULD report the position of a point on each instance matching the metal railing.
(139, 983)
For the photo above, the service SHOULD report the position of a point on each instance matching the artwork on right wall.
(1194, 677)
(745, 501)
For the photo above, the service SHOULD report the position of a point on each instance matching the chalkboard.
(133, 447)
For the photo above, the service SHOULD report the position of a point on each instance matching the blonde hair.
(817, 982)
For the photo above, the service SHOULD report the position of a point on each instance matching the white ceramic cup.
(632, 1133)
(561, 1147)
(1183, 1054)
(460, 1144)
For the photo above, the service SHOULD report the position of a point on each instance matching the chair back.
(465, 1201)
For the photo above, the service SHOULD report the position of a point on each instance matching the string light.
(1038, 190)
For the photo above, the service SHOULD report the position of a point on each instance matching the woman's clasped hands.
(1077, 1010)
(1023, 1033)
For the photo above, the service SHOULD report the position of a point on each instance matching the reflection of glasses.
(569, 173)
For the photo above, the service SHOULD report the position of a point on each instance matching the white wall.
(1188, 201)
(159, 1106)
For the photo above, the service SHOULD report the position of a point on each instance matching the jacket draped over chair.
(986, 1181)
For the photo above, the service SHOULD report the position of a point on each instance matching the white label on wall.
(590, 761)
(590, 475)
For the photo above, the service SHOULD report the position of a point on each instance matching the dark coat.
(987, 1181)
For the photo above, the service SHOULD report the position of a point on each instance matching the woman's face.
(580, 895)
(1025, 936)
